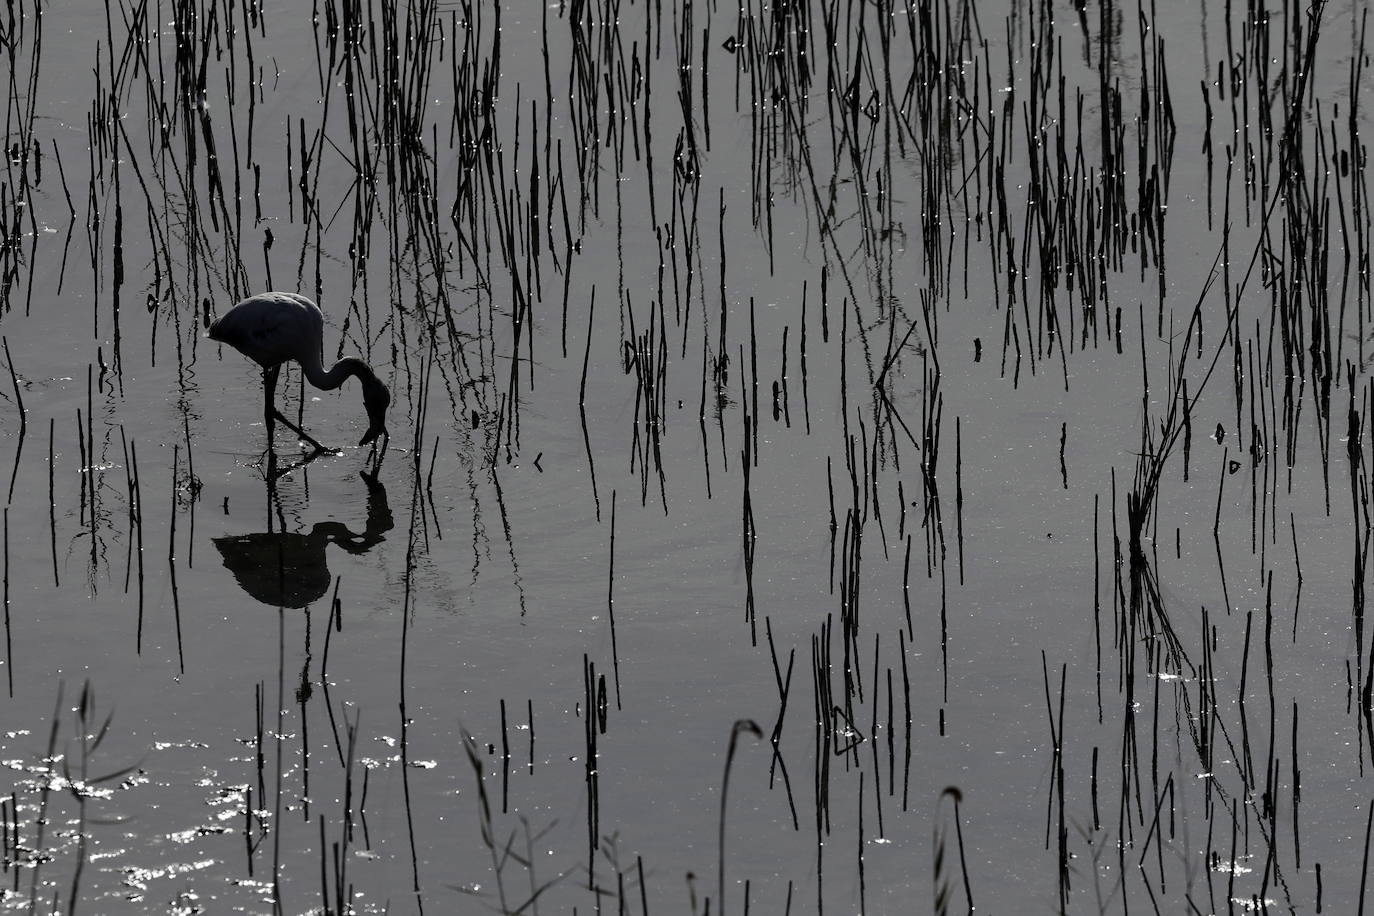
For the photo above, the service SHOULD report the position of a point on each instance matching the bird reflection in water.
(290, 569)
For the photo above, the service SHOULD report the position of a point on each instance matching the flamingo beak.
(372, 433)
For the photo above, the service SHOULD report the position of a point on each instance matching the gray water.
(563, 653)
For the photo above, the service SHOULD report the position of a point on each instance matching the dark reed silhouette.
(272, 328)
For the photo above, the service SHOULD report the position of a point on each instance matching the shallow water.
(517, 672)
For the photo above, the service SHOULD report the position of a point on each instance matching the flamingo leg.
(300, 432)
(269, 392)
(275, 473)
(271, 414)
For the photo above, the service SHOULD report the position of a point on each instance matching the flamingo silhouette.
(290, 568)
(271, 328)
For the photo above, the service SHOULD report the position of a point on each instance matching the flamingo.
(271, 328)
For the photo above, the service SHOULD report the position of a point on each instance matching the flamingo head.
(376, 399)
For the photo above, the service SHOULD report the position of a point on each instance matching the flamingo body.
(272, 328)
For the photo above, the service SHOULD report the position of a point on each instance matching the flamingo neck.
(336, 375)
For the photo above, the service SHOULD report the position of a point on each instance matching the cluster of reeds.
(1023, 177)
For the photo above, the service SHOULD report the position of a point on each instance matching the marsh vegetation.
(844, 457)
